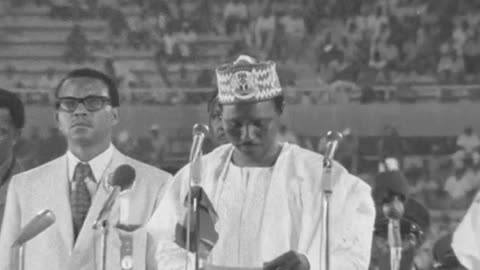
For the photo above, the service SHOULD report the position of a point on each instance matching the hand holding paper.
(291, 260)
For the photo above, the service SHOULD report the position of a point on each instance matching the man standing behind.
(217, 134)
(12, 119)
(267, 194)
(75, 186)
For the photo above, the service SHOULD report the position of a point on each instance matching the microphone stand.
(104, 230)
(199, 131)
(327, 193)
(18, 257)
(395, 243)
(394, 211)
(333, 139)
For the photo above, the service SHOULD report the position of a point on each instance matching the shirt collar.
(98, 164)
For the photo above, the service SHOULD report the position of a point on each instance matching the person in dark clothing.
(12, 120)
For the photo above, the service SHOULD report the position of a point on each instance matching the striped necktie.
(80, 200)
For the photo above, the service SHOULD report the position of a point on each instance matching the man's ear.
(16, 136)
(115, 116)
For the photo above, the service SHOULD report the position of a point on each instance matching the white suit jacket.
(47, 187)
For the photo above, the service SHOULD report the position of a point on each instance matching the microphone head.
(414, 222)
(200, 128)
(393, 209)
(38, 224)
(123, 177)
(333, 136)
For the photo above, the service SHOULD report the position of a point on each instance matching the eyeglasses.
(91, 103)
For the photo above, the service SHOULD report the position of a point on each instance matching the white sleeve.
(353, 232)
(351, 227)
(161, 227)
(465, 239)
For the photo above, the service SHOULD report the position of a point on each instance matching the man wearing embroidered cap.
(267, 194)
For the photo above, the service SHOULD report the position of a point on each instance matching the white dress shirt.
(98, 165)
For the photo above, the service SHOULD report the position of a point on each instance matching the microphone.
(333, 138)
(390, 192)
(199, 131)
(38, 224)
(122, 179)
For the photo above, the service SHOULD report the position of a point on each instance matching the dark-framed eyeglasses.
(91, 103)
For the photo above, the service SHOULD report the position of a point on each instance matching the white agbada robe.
(265, 212)
(466, 239)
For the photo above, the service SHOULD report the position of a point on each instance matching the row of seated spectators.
(399, 40)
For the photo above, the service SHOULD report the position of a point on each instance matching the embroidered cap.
(247, 80)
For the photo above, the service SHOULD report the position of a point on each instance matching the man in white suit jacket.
(86, 113)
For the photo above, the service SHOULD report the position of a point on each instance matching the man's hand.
(288, 261)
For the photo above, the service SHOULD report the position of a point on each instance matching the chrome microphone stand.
(395, 249)
(333, 139)
(394, 211)
(105, 230)
(199, 134)
(17, 259)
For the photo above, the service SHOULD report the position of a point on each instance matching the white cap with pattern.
(247, 80)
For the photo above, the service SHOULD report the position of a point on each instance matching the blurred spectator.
(409, 51)
(264, 31)
(68, 10)
(286, 135)
(48, 81)
(459, 37)
(327, 51)
(294, 27)
(468, 145)
(139, 36)
(12, 78)
(376, 21)
(161, 62)
(461, 187)
(170, 45)
(118, 27)
(158, 142)
(458, 68)
(235, 15)
(186, 38)
(471, 52)
(445, 67)
(468, 141)
(391, 55)
(76, 46)
(349, 49)
(337, 68)
(377, 62)
(391, 145)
